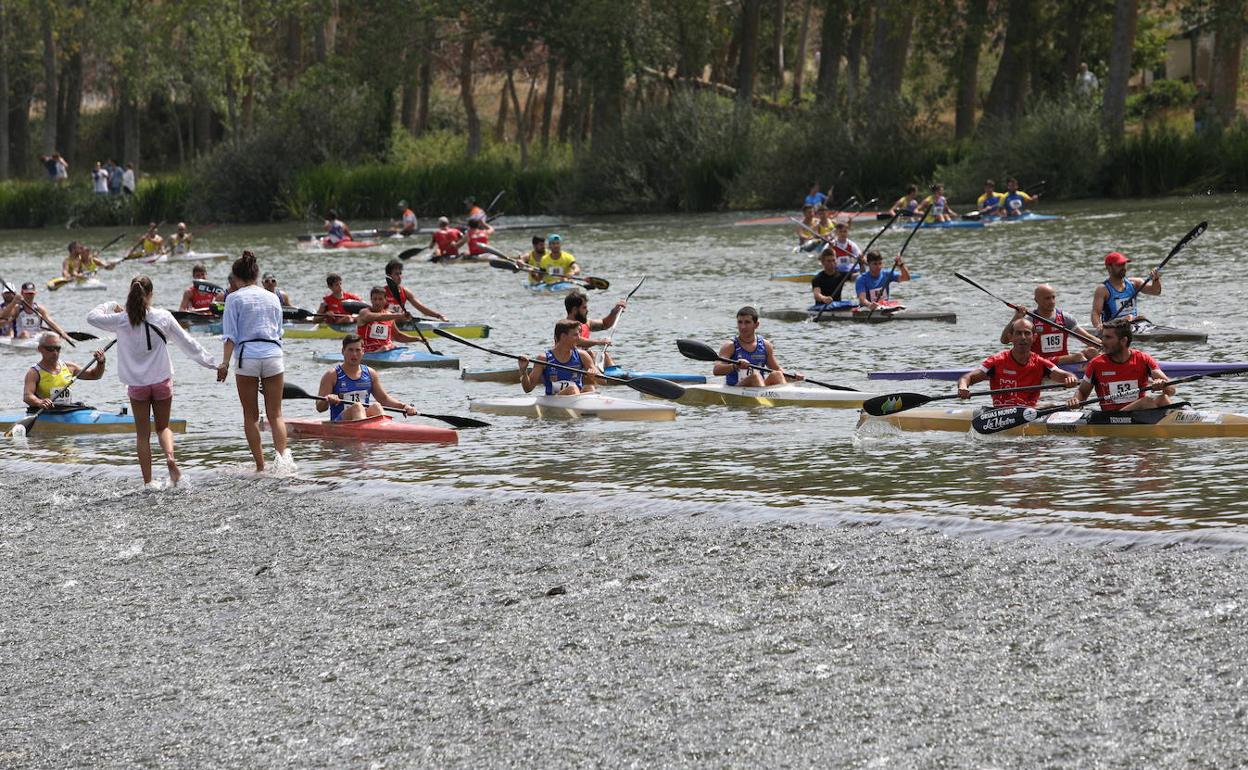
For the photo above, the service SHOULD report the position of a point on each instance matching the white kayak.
(20, 343)
(574, 407)
(190, 256)
(86, 284)
(791, 394)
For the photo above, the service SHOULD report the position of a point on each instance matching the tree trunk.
(500, 128)
(831, 43)
(607, 87)
(777, 42)
(522, 121)
(426, 78)
(569, 104)
(799, 66)
(177, 129)
(231, 107)
(465, 93)
(50, 94)
(249, 104)
(331, 28)
(968, 68)
(853, 50)
(408, 93)
(750, 14)
(71, 108)
(129, 127)
(1071, 32)
(1114, 105)
(548, 103)
(893, 27)
(19, 124)
(4, 90)
(1008, 94)
(1228, 52)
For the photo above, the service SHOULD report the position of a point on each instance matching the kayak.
(848, 311)
(808, 277)
(20, 343)
(788, 220)
(956, 224)
(1171, 368)
(190, 256)
(320, 243)
(1177, 421)
(397, 356)
(511, 375)
(1025, 217)
(464, 259)
(559, 287)
(381, 428)
(80, 284)
(574, 407)
(84, 420)
(1145, 331)
(790, 394)
(337, 332)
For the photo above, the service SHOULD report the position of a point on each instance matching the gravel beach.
(248, 622)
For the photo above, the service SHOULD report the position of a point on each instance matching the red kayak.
(381, 428)
(349, 244)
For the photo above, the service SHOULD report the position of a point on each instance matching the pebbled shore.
(266, 622)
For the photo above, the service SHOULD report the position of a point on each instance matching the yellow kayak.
(791, 394)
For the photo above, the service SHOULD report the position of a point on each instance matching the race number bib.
(28, 322)
(1051, 343)
(1122, 391)
(353, 396)
(555, 270)
(377, 332)
(60, 396)
(1015, 204)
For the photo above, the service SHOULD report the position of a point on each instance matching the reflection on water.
(789, 462)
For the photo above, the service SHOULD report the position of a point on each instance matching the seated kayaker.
(7, 297)
(990, 202)
(749, 348)
(444, 240)
(560, 382)
(1015, 201)
(394, 270)
(1018, 367)
(935, 207)
(1118, 296)
(829, 282)
(908, 203)
(1052, 338)
(474, 211)
(353, 391)
(200, 295)
(477, 237)
(376, 323)
(557, 262)
(47, 382)
(27, 316)
(807, 229)
(331, 304)
(577, 306)
(270, 284)
(83, 261)
(1120, 374)
(534, 258)
(180, 241)
(150, 244)
(848, 254)
(336, 231)
(815, 197)
(407, 220)
(872, 286)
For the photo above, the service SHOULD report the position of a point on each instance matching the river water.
(786, 463)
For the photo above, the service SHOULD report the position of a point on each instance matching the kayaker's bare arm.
(967, 380)
(1153, 287)
(326, 390)
(529, 377)
(28, 391)
(422, 307)
(1098, 305)
(368, 315)
(774, 365)
(720, 368)
(91, 371)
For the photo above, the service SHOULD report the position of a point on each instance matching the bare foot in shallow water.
(175, 475)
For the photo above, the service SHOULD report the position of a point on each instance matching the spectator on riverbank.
(128, 180)
(99, 179)
(62, 168)
(114, 177)
(1086, 82)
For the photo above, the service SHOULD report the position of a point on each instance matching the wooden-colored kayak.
(851, 314)
(381, 428)
(791, 394)
(1171, 368)
(1178, 421)
(575, 407)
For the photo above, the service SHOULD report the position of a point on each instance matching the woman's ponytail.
(138, 298)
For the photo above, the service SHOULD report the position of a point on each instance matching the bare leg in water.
(248, 396)
(161, 411)
(273, 410)
(143, 437)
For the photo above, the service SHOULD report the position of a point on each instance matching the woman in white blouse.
(143, 336)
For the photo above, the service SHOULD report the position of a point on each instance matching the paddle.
(407, 254)
(351, 306)
(892, 403)
(861, 206)
(654, 386)
(397, 292)
(1036, 316)
(616, 325)
(503, 262)
(1003, 418)
(27, 423)
(870, 243)
(294, 391)
(700, 351)
(43, 319)
(1192, 235)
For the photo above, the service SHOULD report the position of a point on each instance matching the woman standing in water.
(252, 328)
(143, 336)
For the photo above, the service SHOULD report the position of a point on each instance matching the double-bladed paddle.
(503, 262)
(654, 386)
(616, 325)
(1072, 332)
(397, 291)
(294, 391)
(991, 421)
(870, 243)
(351, 306)
(892, 403)
(43, 318)
(700, 351)
(407, 254)
(1192, 235)
(27, 423)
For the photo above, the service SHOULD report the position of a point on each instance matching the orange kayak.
(381, 428)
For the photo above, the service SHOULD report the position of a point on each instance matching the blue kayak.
(1026, 217)
(952, 225)
(398, 356)
(559, 287)
(81, 421)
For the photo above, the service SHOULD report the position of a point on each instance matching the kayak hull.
(19, 343)
(337, 332)
(371, 429)
(193, 256)
(559, 287)
(1150, 423)
(1171, 368)
(395, 358)
(82, 422)
(957, 224)
(855, 316)
(575, 407)
(1153, 333)
(792, 394)
(511, 376)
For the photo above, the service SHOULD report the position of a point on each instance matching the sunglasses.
(57, 348)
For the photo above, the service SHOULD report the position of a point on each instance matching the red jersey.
(585, 331)
(203, 294)
(334, 304)
(1119, 384)
(392, 303)
(1051, 337)
(477, 239)
(1005, 372)
(445, 241)
(377, 335)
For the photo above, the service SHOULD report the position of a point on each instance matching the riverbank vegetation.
(272, 109)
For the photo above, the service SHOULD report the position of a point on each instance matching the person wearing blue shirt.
(872, 286)
(815, 197)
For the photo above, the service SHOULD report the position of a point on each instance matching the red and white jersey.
(1005, 372)
(847, 254)
(377, 335)
(1119, 384)
(1051, 338)
(476, 240)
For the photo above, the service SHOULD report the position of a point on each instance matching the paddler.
(749, 348)
(180, 241)
(557, 262)
(407, 220)
(825, 225)
(1018, 367)
(353, 391)
(394, 270)
(1117, 296)
(336, 231)
(477, 237)
(83, 261)
(150, 244)
(474, 211)
(908, 203)
(848, 254)
(990, 202)
(1120, 374)
(807, 229)
(829, 283)
(1052, 336)
(269, 282)
(331, 304)
(445, 240)
(534, 258)
(936, 206)
(27, 316)
(47, 382)
(872, 286)
(576, 304)
(1015, 199)
(375, 324)
(815, 197)
(565, 351)
(200, 295)
(7, 297)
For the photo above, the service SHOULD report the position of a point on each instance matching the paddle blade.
(488, 249)
(698, 351)
(407, 254)
(504, 264)
(881, 406)
(655, 386)
(296, 313)
(597, 283)
(990, 421)
(24, 425)
(82, 336)
(457, 421)
(294, 391)
(353, 306)
(883, 216)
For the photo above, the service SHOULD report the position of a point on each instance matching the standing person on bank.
(143, 336)
(252, 328)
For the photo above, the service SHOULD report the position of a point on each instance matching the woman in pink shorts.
(143, 336)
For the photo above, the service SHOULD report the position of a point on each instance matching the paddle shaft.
(1035, 316)
(515, 357)
(401, 295)
(616, 325)
(769, 370)
(1192, 235)
(517, 266)
(28, 422)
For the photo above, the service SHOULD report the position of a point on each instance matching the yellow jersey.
(556, 267)
(152, 245)
(990, 200)
(54, 385)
